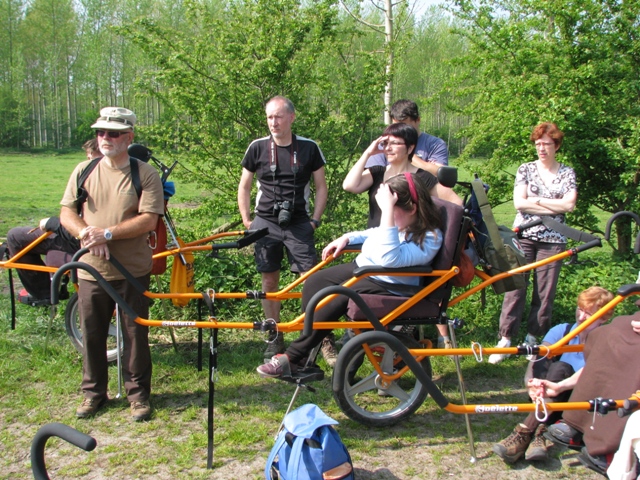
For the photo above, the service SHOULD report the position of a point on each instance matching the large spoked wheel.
(72, 325)
(364, 396)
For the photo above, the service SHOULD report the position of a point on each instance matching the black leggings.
(335, 309)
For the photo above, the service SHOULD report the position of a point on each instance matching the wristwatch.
(107, 234)
(317, 223)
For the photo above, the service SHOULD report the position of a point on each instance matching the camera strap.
(293, 158)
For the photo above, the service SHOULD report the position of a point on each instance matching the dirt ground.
(420, 461)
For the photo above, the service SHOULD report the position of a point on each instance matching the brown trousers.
(96, 310)
(545, 280)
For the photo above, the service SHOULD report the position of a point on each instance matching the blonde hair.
(596, 297)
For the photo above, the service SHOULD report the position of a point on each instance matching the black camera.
(283, 210)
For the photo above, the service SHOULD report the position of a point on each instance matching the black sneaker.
(597, 463)
(28, 299)
(564, 434)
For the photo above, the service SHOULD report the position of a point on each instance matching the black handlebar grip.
(521, 228)
(628, 407)
(63, 431)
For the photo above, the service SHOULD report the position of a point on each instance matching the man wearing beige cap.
(111, 219)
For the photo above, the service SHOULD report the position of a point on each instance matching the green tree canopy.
(575, 63)
(218, 72)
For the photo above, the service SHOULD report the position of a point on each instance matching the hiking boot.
(513, 447)
(498, 357)
(597, 463)
(90, 407)
(564, 434)
(531, 341)
(277, 367)
(328, 350)
(538, 447)
(275, 346)
(141, 411)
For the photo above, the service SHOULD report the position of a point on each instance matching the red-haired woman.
(544, 187)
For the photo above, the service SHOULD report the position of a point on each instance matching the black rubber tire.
(72, 326)
(360, 399)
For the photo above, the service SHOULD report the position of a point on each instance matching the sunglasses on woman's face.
(109, 133)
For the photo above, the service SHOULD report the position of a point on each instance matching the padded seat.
(454, 227)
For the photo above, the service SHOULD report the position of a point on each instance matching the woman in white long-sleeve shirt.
(409, 235)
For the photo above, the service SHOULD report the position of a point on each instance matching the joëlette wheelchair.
(382, 376)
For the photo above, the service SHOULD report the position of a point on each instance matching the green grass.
(38, 386)
(33, 185)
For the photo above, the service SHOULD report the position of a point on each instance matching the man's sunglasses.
(109, 133)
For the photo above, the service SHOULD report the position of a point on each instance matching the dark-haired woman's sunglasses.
(109, 133)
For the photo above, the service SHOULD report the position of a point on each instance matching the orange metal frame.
(297, 324)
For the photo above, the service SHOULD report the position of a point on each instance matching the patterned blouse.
(563, 183)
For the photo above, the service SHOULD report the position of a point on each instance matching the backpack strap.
(295, 458)
(272, 456)
(135, 175)
(82, 194)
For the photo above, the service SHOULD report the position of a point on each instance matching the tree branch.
(377, 28)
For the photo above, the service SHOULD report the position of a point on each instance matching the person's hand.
(335, 247)
(247, 224)
(536, 388)
(100, 251)
(92, 236)
(543, 388)
(375, 147)
(386, 198)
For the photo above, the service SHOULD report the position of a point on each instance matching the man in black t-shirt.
(284, 164)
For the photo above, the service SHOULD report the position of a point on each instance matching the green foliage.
(572, 63)
(424, 70)
(219, 71)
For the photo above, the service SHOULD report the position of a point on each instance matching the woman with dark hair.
(409, 235)
(398, 141)
(544, 187)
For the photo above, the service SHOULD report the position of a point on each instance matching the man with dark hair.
(113, 220)
(284, 165)
(431, 152)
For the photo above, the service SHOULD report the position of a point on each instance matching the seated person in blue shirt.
(409, 235)
(554, 380)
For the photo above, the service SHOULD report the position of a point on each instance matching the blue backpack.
(309, 448)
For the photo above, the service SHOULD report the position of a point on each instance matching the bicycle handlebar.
(607, 230)
(65, 432)
(524, 226)
(251, 236)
